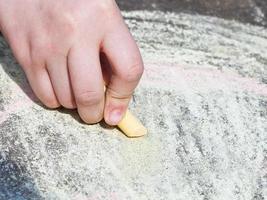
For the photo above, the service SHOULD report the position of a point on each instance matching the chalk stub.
(131, 126)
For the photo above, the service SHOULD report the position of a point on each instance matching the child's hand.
(58, 44)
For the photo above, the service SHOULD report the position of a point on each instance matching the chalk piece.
(131, 126)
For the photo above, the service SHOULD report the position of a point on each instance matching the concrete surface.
(203, 98)
(247, 11)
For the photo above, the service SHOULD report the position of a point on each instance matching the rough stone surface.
(247, 11)
(203, 98)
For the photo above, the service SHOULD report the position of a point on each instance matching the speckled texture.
(246, 11)
(203, 98)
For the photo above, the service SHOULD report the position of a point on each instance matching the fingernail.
(115, 116)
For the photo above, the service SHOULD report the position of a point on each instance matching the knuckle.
(105, 5)
(64, 21)
(89, 98)
(67, 25)
(24, 61)
(36, 63)
(116, 95)
(21, 51)
(134, 72)
(37, 55)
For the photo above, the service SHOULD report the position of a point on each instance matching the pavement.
(246, 11)
(203, 98)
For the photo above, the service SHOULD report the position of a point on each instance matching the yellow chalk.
(131, 126)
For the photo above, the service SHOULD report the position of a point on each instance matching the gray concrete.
(203, 98)
(246, 11)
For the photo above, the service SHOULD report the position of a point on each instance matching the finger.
(87, 82)
(59, 75)
(42, 87)
(127, 68)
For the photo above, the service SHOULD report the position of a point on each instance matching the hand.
(69, 49)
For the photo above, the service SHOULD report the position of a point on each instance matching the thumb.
(126, 70)
(119, 92)
(116, 106)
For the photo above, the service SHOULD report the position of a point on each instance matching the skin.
(70, 49)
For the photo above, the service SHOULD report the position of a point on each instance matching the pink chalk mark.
(19, 104)
(201, 78)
